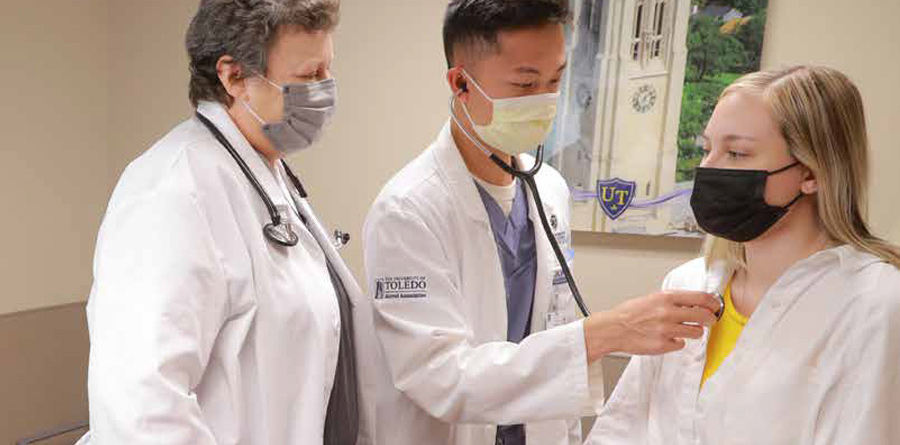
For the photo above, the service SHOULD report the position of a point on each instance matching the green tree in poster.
(751, 37)
(748, 7)
(710, 52)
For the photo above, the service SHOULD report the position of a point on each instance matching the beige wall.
(43, 377)
(149, 71)
(54, 161)
(393, 101)
(859, 38)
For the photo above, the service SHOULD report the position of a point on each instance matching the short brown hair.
(244, 30)
(474, 24)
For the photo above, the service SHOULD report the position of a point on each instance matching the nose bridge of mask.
(518, 124)
(524, 109)
(311, 96)
(524, 106)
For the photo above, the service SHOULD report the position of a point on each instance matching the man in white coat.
(478, 330)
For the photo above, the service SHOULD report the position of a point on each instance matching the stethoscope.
(528, 177)
(278, 231)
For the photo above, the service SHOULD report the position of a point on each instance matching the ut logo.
(615, 196)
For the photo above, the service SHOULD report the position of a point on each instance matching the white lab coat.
(818, 363)
(202, 331)
(448, 375)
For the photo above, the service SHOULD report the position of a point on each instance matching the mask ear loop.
(782, 170)
(528, 177)
(253, 113)
(247, 104)
(453, 100)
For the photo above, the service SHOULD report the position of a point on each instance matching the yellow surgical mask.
(519, 124)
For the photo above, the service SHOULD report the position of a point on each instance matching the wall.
(393, 101)
(54, 160)
(43, 377)
(860, 39)
(149, 71)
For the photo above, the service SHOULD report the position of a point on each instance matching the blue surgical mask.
(308, 107)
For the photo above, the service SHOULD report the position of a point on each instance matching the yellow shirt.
(723, 336)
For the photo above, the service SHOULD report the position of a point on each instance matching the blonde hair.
(820, 114)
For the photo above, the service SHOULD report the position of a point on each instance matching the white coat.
(818, 363)
(203, 332)
(448, 375)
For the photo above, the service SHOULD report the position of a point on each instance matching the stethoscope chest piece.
(282, 234)
(721, 310)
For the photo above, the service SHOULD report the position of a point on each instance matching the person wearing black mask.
(806, 351)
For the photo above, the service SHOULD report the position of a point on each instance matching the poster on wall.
(644, 78)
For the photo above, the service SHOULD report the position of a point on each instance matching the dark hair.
(244, 30)
(474, 24)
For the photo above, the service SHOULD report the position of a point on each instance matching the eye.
(736, 155)
(525, 86)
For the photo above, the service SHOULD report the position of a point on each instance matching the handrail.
(53, 433)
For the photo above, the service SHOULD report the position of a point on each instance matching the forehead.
(742, 113)
(544, 44)
(296, 44)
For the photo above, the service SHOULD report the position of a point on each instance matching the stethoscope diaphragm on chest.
(721, 310)
(280, 231)
(282, 234)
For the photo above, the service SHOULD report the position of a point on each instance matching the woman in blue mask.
(220, 311)
(807, 348)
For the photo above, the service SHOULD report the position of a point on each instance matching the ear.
(231, 76)
(459, 84)
(809, 186)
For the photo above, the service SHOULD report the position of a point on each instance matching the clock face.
(644, 99)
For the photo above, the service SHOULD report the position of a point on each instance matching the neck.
(796, 237)
(479, 164)
(251, 130)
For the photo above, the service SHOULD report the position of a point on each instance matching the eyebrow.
(732, 137)
(532, 70)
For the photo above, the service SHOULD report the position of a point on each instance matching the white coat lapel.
(217, 114)
(546, 263)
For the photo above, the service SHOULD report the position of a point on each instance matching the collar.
(454, 172)
(259, 165)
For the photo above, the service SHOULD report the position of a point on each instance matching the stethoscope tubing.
(528, 177)
(275, 231)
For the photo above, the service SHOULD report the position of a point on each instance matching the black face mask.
(731, 203)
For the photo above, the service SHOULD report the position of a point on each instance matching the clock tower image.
(621, 119)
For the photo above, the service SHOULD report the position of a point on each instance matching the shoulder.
(691, 275)
(877, 287)
(184, 169)
(187, 160)
(416, 187)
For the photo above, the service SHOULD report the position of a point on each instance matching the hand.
(653, 324)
